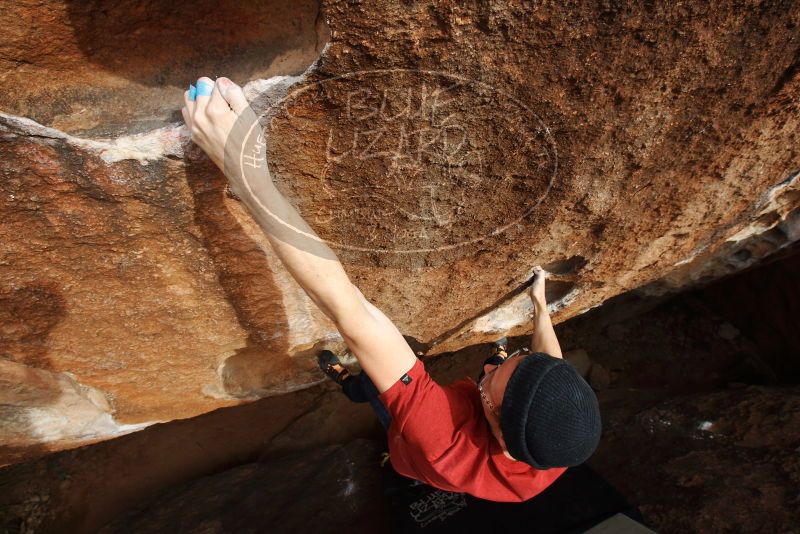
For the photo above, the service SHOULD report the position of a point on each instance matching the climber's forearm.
(544, 337)
(309, 260)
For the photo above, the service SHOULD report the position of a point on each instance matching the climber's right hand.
(210, 117)
(536, 291)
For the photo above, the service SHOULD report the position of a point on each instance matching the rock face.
(329, 489)
(696, 459)
(443, 151)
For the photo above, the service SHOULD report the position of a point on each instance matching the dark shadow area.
(329, 489)
(79, 490)
(28, 314)
(416, 346)
(577, 501)
(557, 289)
(764, 305)
(700, 403)
(104, 69)
(566, 267)
(693, 424)
(247, 279)
(164, 42)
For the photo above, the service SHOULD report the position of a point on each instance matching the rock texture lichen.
(446, 149)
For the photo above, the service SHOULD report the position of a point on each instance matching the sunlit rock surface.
(443, 152)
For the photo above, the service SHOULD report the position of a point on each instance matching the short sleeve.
(425, 413)
(400, 398)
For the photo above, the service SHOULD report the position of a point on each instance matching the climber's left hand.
(211, 114)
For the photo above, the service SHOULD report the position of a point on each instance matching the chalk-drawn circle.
(400, 161)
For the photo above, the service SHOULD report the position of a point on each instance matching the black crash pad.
(578, 500)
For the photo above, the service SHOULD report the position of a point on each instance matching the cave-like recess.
(104, 69)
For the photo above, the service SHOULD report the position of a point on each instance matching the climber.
(505, 438)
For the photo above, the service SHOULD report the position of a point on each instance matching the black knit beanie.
(549, 416)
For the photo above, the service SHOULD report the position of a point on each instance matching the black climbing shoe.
(500, 347)
(326, 361)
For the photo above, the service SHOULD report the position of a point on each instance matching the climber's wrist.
(247, 183)
(539, 305)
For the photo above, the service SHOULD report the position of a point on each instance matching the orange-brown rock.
(444, 150)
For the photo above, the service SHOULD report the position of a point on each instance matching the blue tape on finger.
(192, 92)
(204, 88)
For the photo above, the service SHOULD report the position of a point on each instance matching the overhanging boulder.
(444, 151)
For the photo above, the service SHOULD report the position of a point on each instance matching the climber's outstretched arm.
(377, 343)
(374, 340)
(544, 337)
(215, 117)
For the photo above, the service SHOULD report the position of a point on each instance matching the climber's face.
(493, 386)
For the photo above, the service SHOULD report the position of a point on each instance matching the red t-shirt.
(439, 435)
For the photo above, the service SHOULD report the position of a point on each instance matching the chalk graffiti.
(406, 159)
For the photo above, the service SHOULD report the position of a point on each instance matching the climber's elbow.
(341, 306)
